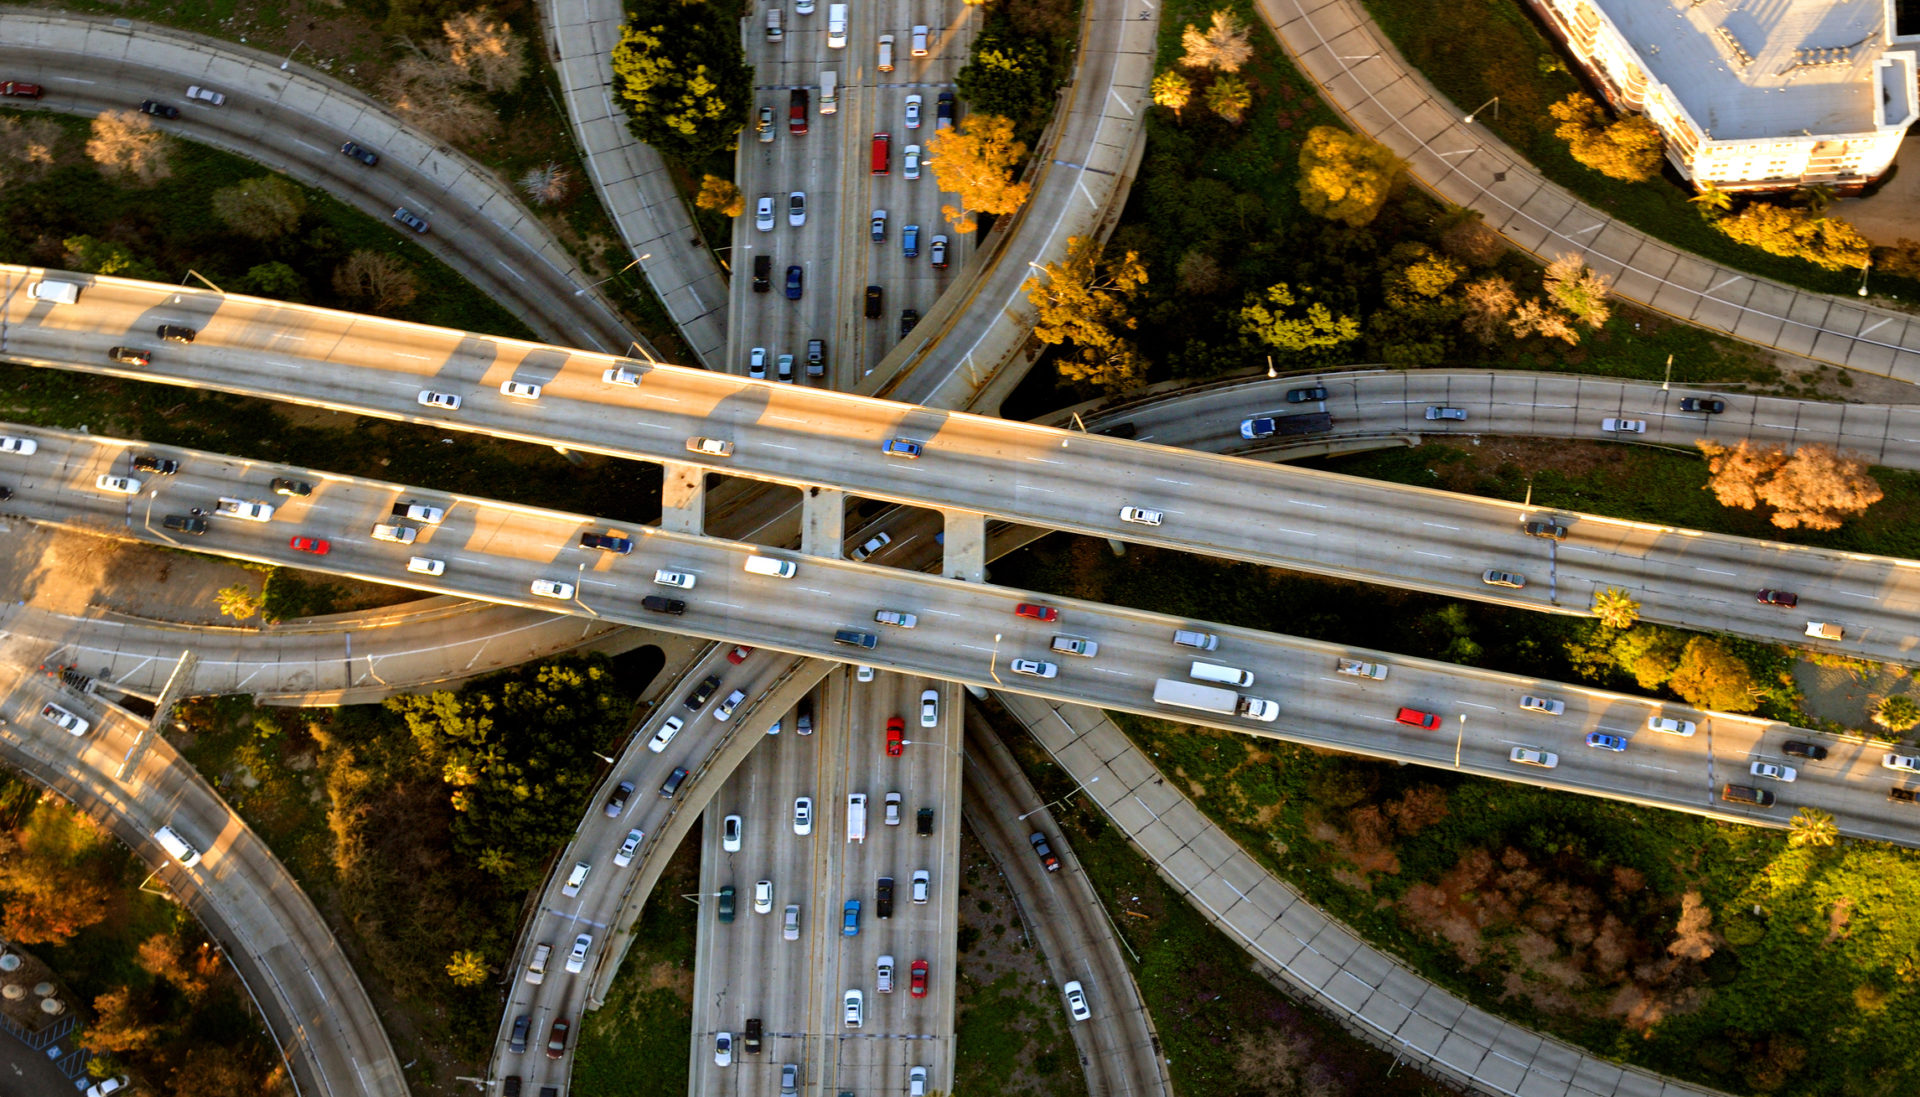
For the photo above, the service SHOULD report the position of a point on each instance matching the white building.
(1757, 94)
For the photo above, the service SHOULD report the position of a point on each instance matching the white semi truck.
(1225, 702)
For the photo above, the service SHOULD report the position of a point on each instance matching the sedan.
(666, 733)
(445, 400)
(896, 736)
(1624, 426)
(794, 280)
(130, 356)
(855, 1008)
(1667, 724)
(1906, 762)
(723, 1049)
(1036, 611)
(410, 219)
(1044, 851)
(1494, 577)
(922, 884)
(797, 208)
(879, 226)
(1603, 741)
(118, 485)
(361, 153)
(1771, 597)
(911, 168)
(206, 95)
(1773, 771)
(1547, 705)
(159, 109)
(712, 447)
(757, 364)
(315, 545)
(1306, 396)
(725, 711)
(790, 924)
(520, 390)
(552, 588)
(917, 979)
(1812, 752)
(803, 815)
(624, 856)
(850, 919)
(1529, 756)
(930, 708)
(281, 485)
(730, 834)
(913, 112)
(763, 214)
(764, 126)
(1551, 530)
(1705, 405)
(937, 253)
(1455, 415)
(25, 447)
(874, 544)
(1077, 1000)
(1033, 667)
(176, 333)
(557, 1038)
(617, 803)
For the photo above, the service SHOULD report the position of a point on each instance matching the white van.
(836, 26)
(857, 817)
(829, 104)
(886, 53)
(773, 24)
(176, 846)
(771, 565)
(1214, 672)
(60, 293)
(1205, 641)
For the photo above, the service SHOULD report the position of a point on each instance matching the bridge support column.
(683, 497)
(965, 545)
(823, 522)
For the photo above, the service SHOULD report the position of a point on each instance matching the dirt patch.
(1848, 693)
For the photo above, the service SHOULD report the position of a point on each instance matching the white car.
(553, 588)
(1077, 1000)
(725, 711)
(420, 512)
(856, 1010)
(681, 579)
(712, 447)
(431, 399)
(206, 95)
(577, 959)
(118, 485)
(25, 447)
(797, 209)
(883, 974)
(1141, 516)
(628, 848)
(916, 1082)
(244, 509)
(917, 43)
(1624, 426)
(757, 364)
(395, 532)
(803, 815)
(895, 617)
(874, 544)
(621, 377)
(1034, 667)
(1528, 756)
(790, 925)
(912, 162)
(665, 735)
(1682, 728)
(930, 708)
(109, 1087)
(891, 816)
(763, 214)
(730, 834)
(1543, 704)
(922, 884)
(64, 720)
(1776, 772)
(1906, 762)
(723, 1049)
(913, 112)
(520, 390)
(423, 565)
(863, 673)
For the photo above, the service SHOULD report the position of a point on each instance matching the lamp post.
(1271, 372)
(1062, 800)
(1666, 383)
(1864, 268)
(1460, 740)
(615, 274)
(602, 757)
(290, 53)
(994, 660)
(1493, 102)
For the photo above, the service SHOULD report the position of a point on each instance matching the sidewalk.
(1383, 98)
(1369, 992)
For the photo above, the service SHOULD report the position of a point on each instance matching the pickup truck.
(241, 508)
(419, 512)
(1360, 669)
(1074, 645)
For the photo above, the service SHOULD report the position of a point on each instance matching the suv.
(873, 309)
(762, 273)
(185, 523)
(816, 357)
(657, 604)
(1746, 794)
(923, 823)
(606, 542)
(1413, 717)
(159, 466)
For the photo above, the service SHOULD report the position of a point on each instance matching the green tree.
(1630, 149)
(1572, 285)
(1230, 97)
(1711, 203)
(496, 862)
(1615, 608)
(1898, 713)
(1087, 300)
(265, 208)
(1649, 653)
(683, 78)
(238, 601)
(276, 280)
(1172, 90)
(97, 256)
(1812, 827)
(467, 968)
(1798, 234)
(1312, 334)
(1345, 176)
(1710, 676)
(1007, 74)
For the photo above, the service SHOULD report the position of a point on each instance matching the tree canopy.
(975, 160)
(680, 72)
(1798, 234)
(1086, 300)
(1630, 149)
(1345, 176)
(1318, 329)
(1813, 487)
(1007, 74)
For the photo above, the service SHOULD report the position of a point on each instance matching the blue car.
(1605, 742)
(850, 926)
(900, 447)
(793, 283)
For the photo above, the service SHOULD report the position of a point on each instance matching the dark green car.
(726, 904)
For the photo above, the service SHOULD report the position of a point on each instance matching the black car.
(517, 1043)
(1554, 530)
(365, 155)
(1770, 597)
(284, 486)
(658, 604)
(943, 109)
(909, 318)
(159, 466)
(1119, 430)
(1903, 795)
(1746, 794)
(176, 333)
(510, 1086)
(1705, 405)
(1812, 752)
(1306, 396)
(762, 273)
(159, 109)
(873, 303)
(606, 542)
(924, 822)
(185, 523)
(130, 356)
(804, 718)
(883, 902)
(703, 693)
(1045, 851)
(617, 802)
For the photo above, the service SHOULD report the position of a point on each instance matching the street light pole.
(1493, 102)
(1271, 372)
(1460, 740)
(991, 662)
(1666, 383)
(290, 53)
(615, 274)
(1864, 268)
(1062, 800)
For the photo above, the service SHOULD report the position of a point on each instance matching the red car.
(557, 1039)
(896, 733)
(918, 986)
(739, 654)
(311, 544)
(14, 89)
(1036, 611)
(1413, 717)
(1777, 598)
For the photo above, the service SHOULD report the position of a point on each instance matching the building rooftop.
(1747, 69)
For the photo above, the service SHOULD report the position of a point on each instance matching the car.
(1812, 752)
(712, 447)
(1530, 756)
(670, 788)
(1307, 395)
(910, 241)
(909, 319)
(657, 604)
(158, 109)
(1603, 741)
(537, 964)
(1076, 645)
(855, 1008)
(725, 711)
(1548, 705)
(873, 308)
(883, 898)
(1549, 529)
(763, 213)
(19, 89)
(246, 509)
(576, 879)
(874, 544)
(930, 708)
(1624, 426)
(723, 1049)
(185, 523)
(764, 126)
(283, 485)
(863, 673)
(557, 1038)
(419, 512)
(118, 485)
(917, 979)
(937, 252)
(316, 545)
(1036, 611)
(1262, 427)
(702, 693)
(1773, 771)
(517, 1043)
(1494, 577)
(665, 735)
(922, 886)
(803, 815)
(361, 153)
(943, 111)
(159, 466)
(395, 532)
(422, 565)
(892, 813)
(913, 110)
(910, 162)
(1076, 1000)
(1033, 667)
(444, 400)
(552, 588)
(606, 542)
(1783, 598)
(896, 617)
(797, 110)
(784, 369)
(739, 654)
(624, 855)
(896, 736)
(108, 1087)
(850, 919)
(64, 720)
(617, 800)
(25, 447)
(130, 356)
(1413, 717)
(1705, 405)
(730, 834)
(797, 209)
(1044, 851)
(917, 1081)
(1746, 794)
(1904, 762)
(901, 447)
(878, 226)
(620, 376)
(757, 364)
(176, 333)
(1455, 415)
(206, 95)
(795, 283)
(726, 905)
(410, 219)
(520, 390)
(1671, 726)
(790, 924)
(923, 822)
(918, 42)
(883, 975)
(803, 716)
(1141, 516)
